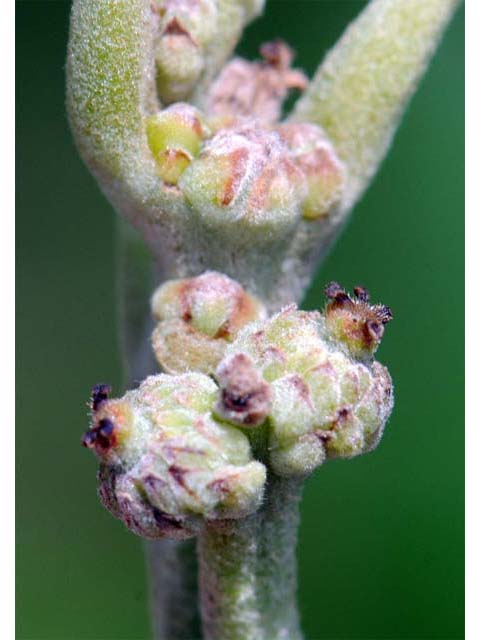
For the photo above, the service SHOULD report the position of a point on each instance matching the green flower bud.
(186, 28)
(196, 37)
(167, 465)
(197, 318)
(323, 400)
(325, 174)
(174, 137)
(243, 180)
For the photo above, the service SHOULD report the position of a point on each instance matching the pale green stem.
(111, 89)
(248, 571)
(228, 581)
(172, 567)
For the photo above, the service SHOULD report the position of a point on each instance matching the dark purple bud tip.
(385, 314)
(88, 439)
(166, 521)
(361, 294)
(102, 437)
(105, 434)
(100, 394)
(353, 320)
(374, 330)
(334, 291)
(343, 415)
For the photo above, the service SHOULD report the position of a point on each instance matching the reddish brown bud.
(100, 394)
(256, 89)
(353, 321)
(245, 398)
(102, 437)
(361, 293)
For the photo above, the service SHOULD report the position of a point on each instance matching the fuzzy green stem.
(111, 89)
(172, 567)
(248, 573)
(228, 578)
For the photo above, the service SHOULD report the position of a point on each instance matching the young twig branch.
(233, 209)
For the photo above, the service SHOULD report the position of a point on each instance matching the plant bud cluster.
(166, 465)
(312, 379)
(178, 451)
(240, 170)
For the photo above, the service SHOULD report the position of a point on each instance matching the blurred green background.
(381, 542)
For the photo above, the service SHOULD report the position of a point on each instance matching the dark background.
(381, 542)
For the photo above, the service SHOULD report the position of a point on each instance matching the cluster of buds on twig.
(193, 148)
(203, 164)
(178, 451)
(242, 174)
(246, 169)
(166, 463)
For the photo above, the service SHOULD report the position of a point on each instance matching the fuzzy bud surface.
(326, 401)
(167, 465)
(197, 319)
(174, 137)
(353, 322)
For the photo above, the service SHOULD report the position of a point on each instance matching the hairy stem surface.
(172, 567)
(248, 572)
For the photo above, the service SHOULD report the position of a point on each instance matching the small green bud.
(321, 399)
(174, 137)
(196, 37)
(315, 156)
(167, 465)
(197, 318)
(244, 179)
(186, 28)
